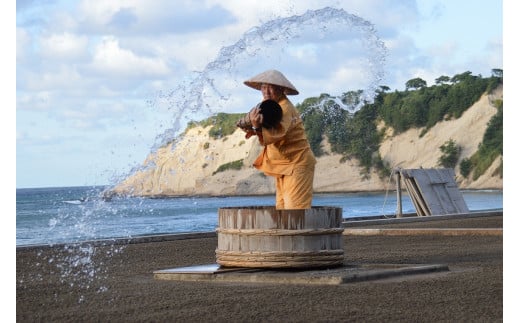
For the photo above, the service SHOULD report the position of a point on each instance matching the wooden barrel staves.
(263, 237)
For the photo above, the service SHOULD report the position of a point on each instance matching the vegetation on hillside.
(355, 135)
(489, 149)
(419, 106)
(223, 124)
(450, 154)
(237, 164)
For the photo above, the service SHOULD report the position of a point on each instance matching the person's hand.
(256, 117)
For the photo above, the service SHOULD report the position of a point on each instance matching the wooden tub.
(263, 237)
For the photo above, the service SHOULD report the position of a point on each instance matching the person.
(287, 154)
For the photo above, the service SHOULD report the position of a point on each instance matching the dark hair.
(272, 113)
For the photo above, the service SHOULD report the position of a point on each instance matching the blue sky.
(99, 83)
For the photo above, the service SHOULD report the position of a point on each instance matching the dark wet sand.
(114, 283)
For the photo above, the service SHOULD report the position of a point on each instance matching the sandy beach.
(119, 285)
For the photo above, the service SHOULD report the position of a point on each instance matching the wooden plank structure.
(264, 237)
(433, 191)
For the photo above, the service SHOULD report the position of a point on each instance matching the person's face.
(271, 92)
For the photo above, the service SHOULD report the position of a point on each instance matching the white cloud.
(60, 78)
(445, 49)
(33, 100)
(100, 12)
(64, 46)
(110, 58)
(348, 75)
(189, 53)
(23, 42)
(305, 52)
(138, 17)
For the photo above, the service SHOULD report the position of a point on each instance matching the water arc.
(299, 42)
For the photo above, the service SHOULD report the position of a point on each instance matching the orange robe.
(288, 157)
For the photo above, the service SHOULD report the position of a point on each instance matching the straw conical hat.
(272, 77)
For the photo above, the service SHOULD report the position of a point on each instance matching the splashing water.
(302, 43)
(73, 215)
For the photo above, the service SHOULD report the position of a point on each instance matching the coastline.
(123, 289)
(372, 191)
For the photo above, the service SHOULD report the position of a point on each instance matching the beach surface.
(115, 282)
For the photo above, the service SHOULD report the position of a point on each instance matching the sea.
(61, 215)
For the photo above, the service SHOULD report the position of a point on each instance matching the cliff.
(188, 166)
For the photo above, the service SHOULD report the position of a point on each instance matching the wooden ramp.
(434, 191)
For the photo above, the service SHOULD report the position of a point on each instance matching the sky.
(101, 84)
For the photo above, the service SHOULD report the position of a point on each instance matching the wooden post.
(399, 204)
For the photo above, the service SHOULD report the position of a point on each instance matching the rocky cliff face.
(188, 166)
